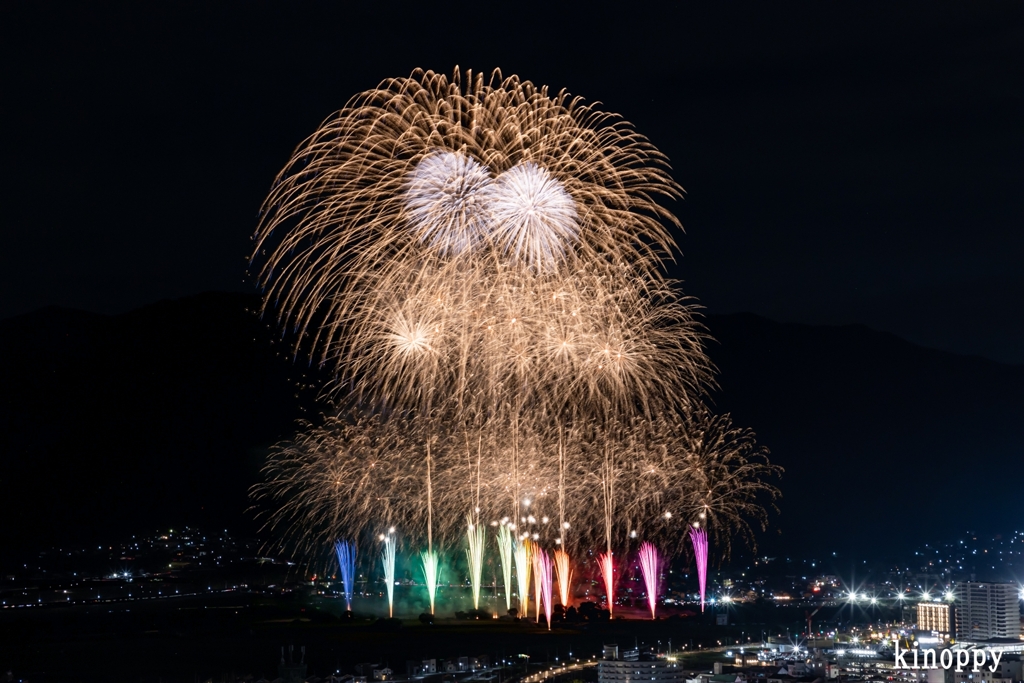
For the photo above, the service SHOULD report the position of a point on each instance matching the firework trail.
(431, 574)
(538, 580)
(523, 555)
(475, 557)
(608, 477)
(649, 568)
(544, 578)
(505, 549)
(430, 504)
(699, 538)
(387, 557)
(346, 552)
(564, 572)
(604, 561)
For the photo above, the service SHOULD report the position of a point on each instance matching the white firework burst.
(532, 216)
(409, 337)
(443, 201)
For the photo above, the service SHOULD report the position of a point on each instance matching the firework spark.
(663, 476)
(564, 572)
(505, 548)
(420, 152)
(538, 556)
(346, 552)
(524, 565)
(649, 568)
(461, 202)
(475, 558)
(699, 538)
(387, 557)
(604, 561)
(444, 201)
(431, 574)
(533, 218)
(544, 578)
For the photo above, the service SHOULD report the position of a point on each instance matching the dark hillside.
(883, 441)
(164, 415)
(159, 416)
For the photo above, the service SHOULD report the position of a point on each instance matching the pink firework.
(545, 580)
(604, 560)
(649, 562)
(538, 583)
(700, 552)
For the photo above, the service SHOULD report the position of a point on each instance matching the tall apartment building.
(986, 610)
(935, 616)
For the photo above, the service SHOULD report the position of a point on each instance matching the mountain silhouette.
(885, 444)
(164, 416)
(158, 417)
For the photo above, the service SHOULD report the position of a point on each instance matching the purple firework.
(544, 577)
(700, 552)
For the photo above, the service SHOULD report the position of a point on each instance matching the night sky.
(854, 162)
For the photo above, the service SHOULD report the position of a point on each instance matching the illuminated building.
(935, 616)
(636, 667)
(986, 610)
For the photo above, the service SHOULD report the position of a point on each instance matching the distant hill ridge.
(160, 415)
(164, 415)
